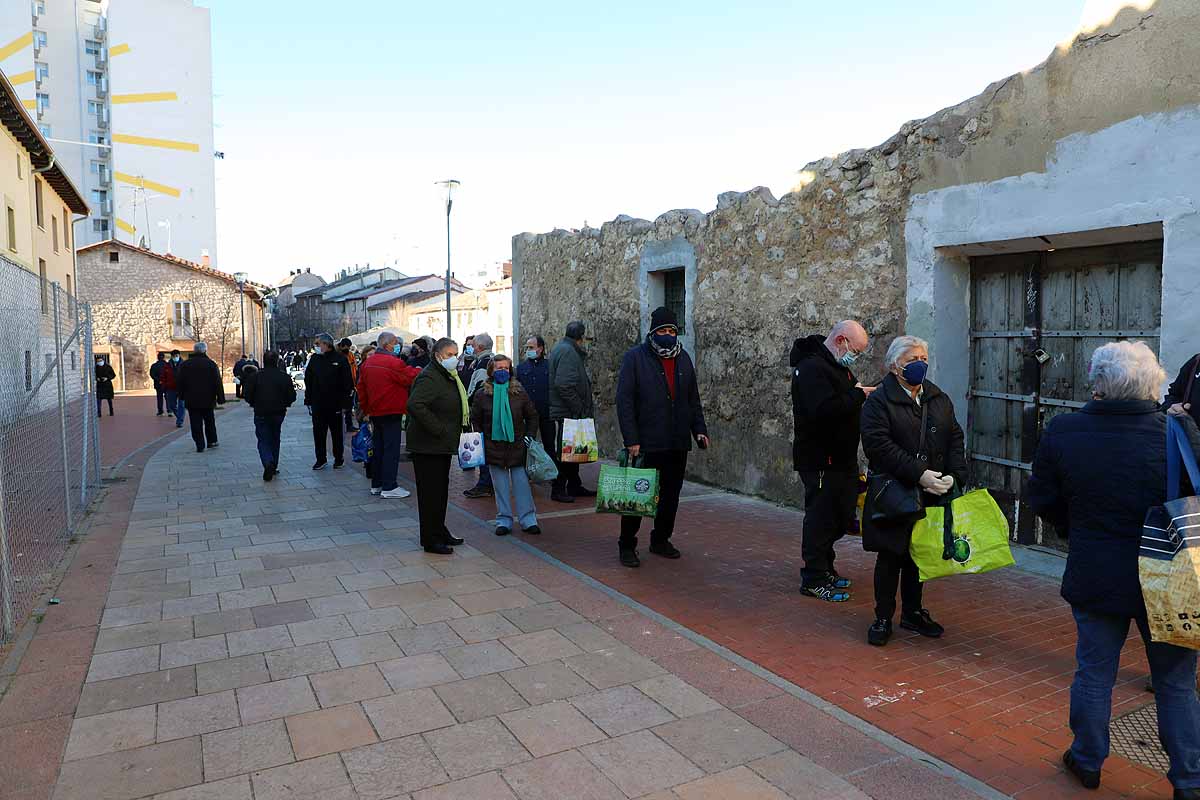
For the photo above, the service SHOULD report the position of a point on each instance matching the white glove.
(934, 482)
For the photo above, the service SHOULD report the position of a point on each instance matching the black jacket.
(198, 382)
(649, 416)
(237, 367)
(155, 370)
(826, 406)
(420, 362)
(327, 381)
(534, 375)
(891, 433)
(1189, 373)
(269, 391)
(105, 375)
(1096, 473)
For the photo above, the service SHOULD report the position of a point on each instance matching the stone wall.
(768, 270)
(132, 306)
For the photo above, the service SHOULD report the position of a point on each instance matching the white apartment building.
(132, 79)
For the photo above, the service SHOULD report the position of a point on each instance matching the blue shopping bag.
(361, 445)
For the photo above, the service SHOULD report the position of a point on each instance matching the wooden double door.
(1036, 318)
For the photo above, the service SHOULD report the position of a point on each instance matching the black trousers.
(433, 493)
(568, 472)
(328, 421)
(387, 432)
(830, 497)
(892, 569)
(349, 413)
(100, 400)
(158, 398)
(237, 388)
(204, 427)
(670, 465)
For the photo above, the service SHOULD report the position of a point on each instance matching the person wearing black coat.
(891, 436)
(237, 373)
(1183, 396)
(327, 392)
(269, 392)
(827, 401)
(198, 381)
(105, 375)
(658, 406)
(156, 377)
(534, 375)
(1096, 473)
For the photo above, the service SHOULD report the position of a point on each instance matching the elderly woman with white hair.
(909, 434)
(1095, 475)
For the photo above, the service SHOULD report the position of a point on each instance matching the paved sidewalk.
(990, 698)
(134, 424)
(290, 640)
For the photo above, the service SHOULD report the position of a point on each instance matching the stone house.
(1015, 231)
(145, 303)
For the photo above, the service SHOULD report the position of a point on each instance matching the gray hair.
(482, 342)
(326, 338)
(899, 346)
(199, 347)
(1126, 371)
(386, 339)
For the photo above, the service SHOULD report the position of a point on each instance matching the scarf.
(502, 421)
(462, 394)
(664, 352)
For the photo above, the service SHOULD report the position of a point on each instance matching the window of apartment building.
(43, 70)
(100, 226)
(45, 286)
(28, 371)
(66, 223)
(94, 107)
(20, 167)
(43, 102)
(45, 129)
(12, 229)
(93, 77)
(96, 138)
(98, 197)
(39, 8)
(37, 200)
(675, 296)
(91, 47)
(39, 39)
(54, 231)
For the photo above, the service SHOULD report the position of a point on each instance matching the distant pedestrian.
(570, 398)
(384, 381)
(504, 414)
(237, 376)
(156, 369)
(201, 389)
(168, 377)
(473, 378)
(269, 392)
(346, 348)
(105, 375)
(893, 419)
(437, 415)
(534, 375)
(419, 355)
(327, 391)
(659, 410)
(466, 361)
(1096, 473)
(1183, 396)
(827, 403)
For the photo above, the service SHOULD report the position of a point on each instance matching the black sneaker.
(477, 492)
(268, 472)
(580, 491)
(922, 623)
(664, 549)
(439, 549)
(319, 465)
(838, 581)
(825, 591)
(453, 540)
(533, 530)
(339, 464)
(879, 632)
(211, 445)
(502, 531)
(1090, 779)
(629, 557)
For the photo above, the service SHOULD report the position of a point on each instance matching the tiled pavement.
(224, 639)
(990, 698)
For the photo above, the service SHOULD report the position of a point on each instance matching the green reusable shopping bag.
(622, 489)
(971, 539)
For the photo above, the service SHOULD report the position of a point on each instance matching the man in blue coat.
(658, 405)
(534, 375)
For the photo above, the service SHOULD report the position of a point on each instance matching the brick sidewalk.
(223, 639)
(135, 425)
(990, 698)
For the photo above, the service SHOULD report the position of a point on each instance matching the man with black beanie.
(658, 406)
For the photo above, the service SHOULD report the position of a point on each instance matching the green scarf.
(502, 421)
(462, 393)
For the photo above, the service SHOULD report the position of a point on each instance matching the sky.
(338, 119)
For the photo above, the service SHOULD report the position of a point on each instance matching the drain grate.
(1135, 736)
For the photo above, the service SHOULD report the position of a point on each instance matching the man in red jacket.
(383, 383)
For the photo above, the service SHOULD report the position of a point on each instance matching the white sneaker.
(399, 493)
(375, 491)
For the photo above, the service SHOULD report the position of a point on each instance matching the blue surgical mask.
(469, 350)
(848, 358)
(501, 376)
(449, 363)
(665, 340)
(396, 349)
(914, 373)
(531, 354)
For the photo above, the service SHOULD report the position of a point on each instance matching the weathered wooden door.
(1036, 318)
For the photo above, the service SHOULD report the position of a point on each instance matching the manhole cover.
(1135, 736)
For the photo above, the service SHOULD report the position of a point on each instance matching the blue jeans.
(1173, 672)
(266, 429)
(175, 406)
(513, 481)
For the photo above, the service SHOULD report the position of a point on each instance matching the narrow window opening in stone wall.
(114, 257)
(74, 365)
(45, 286)
(675, 296)
(12, 229)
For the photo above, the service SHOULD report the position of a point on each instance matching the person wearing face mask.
(384, 381)
(534, 375)
(892, 422)
(419, 355)
(466, 360)
(346, 348)
(659, 410)
(504, 414)
(169, 378)
(105, 375)
(438, 413)
(327, 391)
(826, 403)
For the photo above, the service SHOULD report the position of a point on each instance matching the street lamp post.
(449, 184)
(241, 277)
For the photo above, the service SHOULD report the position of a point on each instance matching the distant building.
(145, 303)
(487, 310)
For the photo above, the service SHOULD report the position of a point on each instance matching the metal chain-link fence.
(49, 440)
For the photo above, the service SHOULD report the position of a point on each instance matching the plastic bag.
(579, 441)
(976, 540)
(622, 489)
(361, 445)
(470, 450)
(538, 464)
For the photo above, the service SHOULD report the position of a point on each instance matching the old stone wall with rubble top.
(769, 270)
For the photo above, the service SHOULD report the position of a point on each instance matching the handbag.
(966, 534)
(892, 500)
(538, 464)
(631, 490)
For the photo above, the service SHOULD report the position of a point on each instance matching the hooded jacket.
(826, 405)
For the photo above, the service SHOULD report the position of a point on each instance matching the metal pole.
(7, 631)
(242, 310)
(449, 202)
(89, 355)
(84, 443)
(62, 405)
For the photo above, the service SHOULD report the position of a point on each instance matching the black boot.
(629, 557)
(439, 549)
(879, 632)
(922, 623)
(1089, 779)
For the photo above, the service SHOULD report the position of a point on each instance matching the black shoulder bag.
(890, 499)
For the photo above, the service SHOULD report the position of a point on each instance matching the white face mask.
(449, 363)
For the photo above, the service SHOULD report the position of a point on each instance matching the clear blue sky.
(337, 118)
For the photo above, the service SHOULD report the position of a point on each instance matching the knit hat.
(663, 316)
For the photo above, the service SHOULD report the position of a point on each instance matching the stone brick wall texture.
(132, 305)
